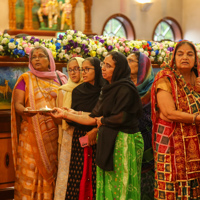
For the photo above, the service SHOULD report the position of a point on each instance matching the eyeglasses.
(106, 65)
(38, 57)
(86, 70)
(75, 70)
(132, 61)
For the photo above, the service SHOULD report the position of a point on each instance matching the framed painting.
(8, 78)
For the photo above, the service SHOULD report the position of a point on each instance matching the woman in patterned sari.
(34, 136)
(120, 144)
(142, 75)
(175, 132)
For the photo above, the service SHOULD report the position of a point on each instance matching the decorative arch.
(174, 25)
(127, 24)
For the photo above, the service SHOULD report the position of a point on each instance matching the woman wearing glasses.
(64, 100)
(142, 75)
(82, 169)
(34, 136)
(120, 144)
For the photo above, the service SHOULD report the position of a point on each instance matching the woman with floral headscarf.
(142, 75)
(119, 144)
(34, 136)
(176, 126)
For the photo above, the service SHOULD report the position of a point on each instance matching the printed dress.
(176, 145)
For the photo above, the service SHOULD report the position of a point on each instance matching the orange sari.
(34, 141)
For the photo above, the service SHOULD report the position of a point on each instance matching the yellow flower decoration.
(54, 54)
(93, 53)
(53, 47)
(92, 42)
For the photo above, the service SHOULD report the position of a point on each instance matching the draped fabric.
(65, 135)
(176, 145)
(118, 184)
(77, 164)
(65, 96)
(89, 93)
(118, 137)
(145, 78)
(34, 141)
(82, 172)
(51, 74)
(118, 110)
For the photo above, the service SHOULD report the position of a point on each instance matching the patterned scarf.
(145, 78)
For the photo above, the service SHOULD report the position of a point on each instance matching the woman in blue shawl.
(142, 75)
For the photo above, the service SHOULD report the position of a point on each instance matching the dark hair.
(43, 49)
(90, 59)
(114, 55)
(191, 45)
(137, 54)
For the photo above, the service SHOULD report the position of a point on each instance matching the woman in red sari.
(34, 136)
(176, 126)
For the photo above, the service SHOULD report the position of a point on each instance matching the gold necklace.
(45, 93)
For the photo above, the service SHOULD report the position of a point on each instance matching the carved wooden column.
(12, 14)
(28, 24)
(73, 3)
(87, 7)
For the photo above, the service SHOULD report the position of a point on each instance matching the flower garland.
(75, 43)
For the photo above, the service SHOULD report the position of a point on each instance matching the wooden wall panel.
(7, 175)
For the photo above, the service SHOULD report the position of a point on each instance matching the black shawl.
(85, 96)
(120, 106)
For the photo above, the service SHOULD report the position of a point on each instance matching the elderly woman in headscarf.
(34, 136)
(176, 126)
(142, 75)
(120, 144)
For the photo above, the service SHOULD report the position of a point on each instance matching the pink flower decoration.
(28, 50)
(117, 45)
(127, 49)
(161, 46)
(24, 42)
(167, 53)
(122, 39)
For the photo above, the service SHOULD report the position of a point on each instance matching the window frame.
(126, 23)
(175, 27)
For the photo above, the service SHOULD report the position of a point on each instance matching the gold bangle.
(194, 119)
